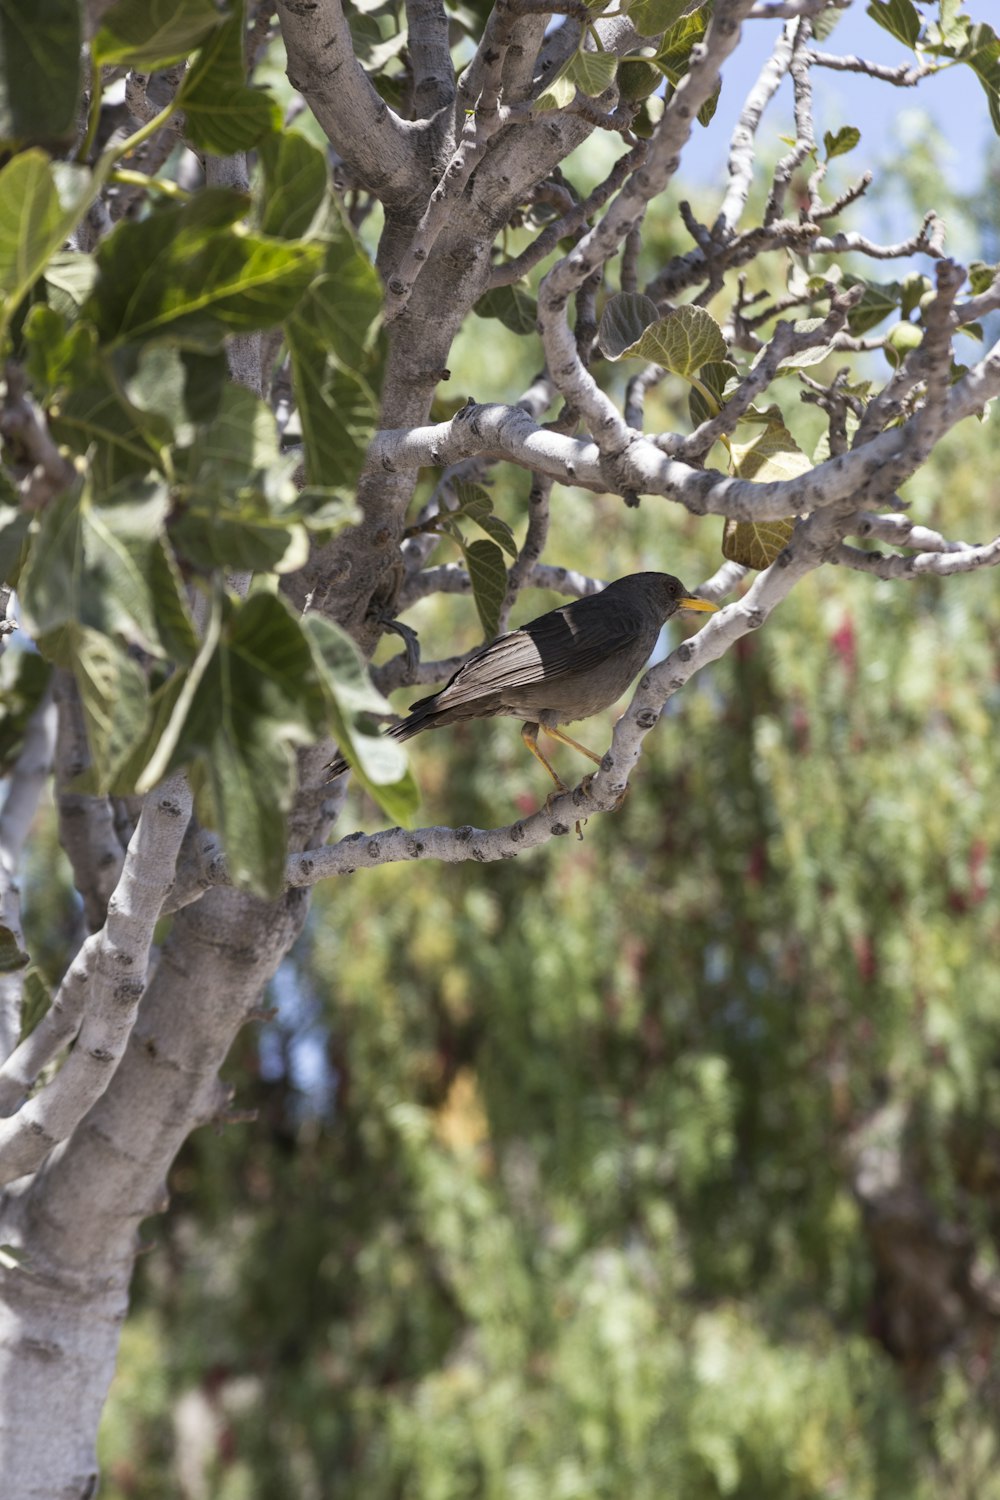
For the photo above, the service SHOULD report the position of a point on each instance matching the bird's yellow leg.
(557, 734)
(529, 734)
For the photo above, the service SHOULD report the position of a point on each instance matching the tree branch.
(111, 967)
(366, 133)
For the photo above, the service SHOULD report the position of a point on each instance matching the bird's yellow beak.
(700, 604)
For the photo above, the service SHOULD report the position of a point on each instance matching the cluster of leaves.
(689, 342)
(678, 27)
(181, 478)
(948, 37)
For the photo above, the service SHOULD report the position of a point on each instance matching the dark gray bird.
(566, 665)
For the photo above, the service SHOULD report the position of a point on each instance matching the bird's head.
(666, 593)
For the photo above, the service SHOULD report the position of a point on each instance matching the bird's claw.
(560, 791)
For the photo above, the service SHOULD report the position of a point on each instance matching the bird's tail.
(405, 730)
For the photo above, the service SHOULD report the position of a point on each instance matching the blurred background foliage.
(664, 1164)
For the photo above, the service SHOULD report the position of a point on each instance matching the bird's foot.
(561, 791)
(588, 782)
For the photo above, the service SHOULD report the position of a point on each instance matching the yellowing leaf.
(772, 455)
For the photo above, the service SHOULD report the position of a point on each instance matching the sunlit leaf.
(188, 272)
(683, 341)
(625, 318)
(294, 183)
(221, 112)
(560, 92)
(772, 454)
(149, 34)
(650, 17)
(899, 17)
(40, 203)
(593, 72)
(839, 143)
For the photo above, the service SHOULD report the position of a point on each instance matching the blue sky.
(953, 99)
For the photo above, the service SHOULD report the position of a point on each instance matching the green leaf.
(981, 53)
(160, 750)
(637, 79)
(914, 289)
(222, 114)
(351, 698)
(40, 203)
(593, 72)
(674, 55)
(50, 581)
(89, 411)
(771, 454)
(683, 341)
(625, 318)
(344, 302)
(293, 187)
(338, 411)
(839, 144)
(336, 355)
(475, 502)
(707, 111)
(805, 357)
(14, 526)
(107, 567)
(12, 955)
(187, 272)
(560, 92)
(250, 699)
(515, 308)
(823, 24)
(69, 281)
(113, 695)
(650, 17)
(24, 681)
(981, 277)
(40, 50)
(899, 17)
(714, 377)
(35, 1001)
(488, 576)
(205, 379)
(238, 502)
(150, 34)
(878, 302)
(154, 380)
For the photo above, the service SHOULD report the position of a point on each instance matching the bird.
(565, 665)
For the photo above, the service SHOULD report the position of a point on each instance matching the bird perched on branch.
(566, 665)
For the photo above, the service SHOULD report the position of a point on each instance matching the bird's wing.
(571, 639)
